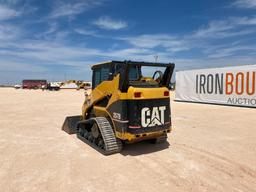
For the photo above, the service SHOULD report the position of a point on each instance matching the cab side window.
(133, 73)
(104, 74)
(99, 75)
(96, 74)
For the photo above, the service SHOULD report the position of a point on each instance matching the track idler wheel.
(95, 131)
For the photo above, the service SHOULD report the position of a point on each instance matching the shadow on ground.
(143, 147)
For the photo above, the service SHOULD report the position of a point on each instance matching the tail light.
(166, 93)
(137, 94)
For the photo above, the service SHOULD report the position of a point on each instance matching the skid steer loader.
(126, 105)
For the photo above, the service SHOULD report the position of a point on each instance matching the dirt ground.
(211, 148)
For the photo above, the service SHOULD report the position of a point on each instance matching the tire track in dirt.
(241, 175)
(242, 167)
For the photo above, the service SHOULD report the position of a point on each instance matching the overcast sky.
(60, 39)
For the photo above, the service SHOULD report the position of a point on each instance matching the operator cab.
(136, 74)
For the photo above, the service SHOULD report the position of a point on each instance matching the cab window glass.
(133, 73)
(96, 77)
(104, 74)
(100, 74)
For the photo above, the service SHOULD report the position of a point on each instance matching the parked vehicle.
(33, 84)
(53, 86)
(17, 86)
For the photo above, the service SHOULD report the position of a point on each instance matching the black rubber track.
(112, 144)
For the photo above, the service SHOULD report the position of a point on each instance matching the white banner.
(228, 86)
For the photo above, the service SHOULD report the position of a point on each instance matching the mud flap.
(70, 124)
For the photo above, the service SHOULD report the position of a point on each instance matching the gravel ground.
(211, 148)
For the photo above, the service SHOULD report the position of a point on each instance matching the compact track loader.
(126, 105)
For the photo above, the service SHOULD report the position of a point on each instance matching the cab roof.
(138, 63)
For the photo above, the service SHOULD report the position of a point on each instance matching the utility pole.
(65, 76)
(156, 58)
